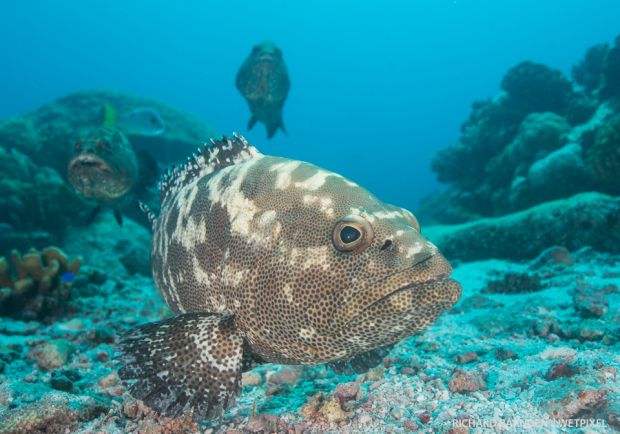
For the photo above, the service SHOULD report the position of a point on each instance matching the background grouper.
(266, 259)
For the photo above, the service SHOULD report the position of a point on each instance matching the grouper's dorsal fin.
(218, 154)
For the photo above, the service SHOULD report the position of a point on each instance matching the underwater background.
(496, 123)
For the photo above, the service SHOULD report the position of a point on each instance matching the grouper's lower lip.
(428, 281)
(88, 162)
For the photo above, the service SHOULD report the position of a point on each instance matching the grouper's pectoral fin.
(189, 364)
(362, 362)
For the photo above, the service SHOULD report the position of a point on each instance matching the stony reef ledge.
(586, 219)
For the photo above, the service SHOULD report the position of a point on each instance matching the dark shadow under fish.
(264, 82)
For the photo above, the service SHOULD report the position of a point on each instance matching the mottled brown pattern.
(256, 240)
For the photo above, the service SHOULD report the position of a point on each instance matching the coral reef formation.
(534, 87)
(41, 282)
(543, 138)
(120, 250)
(48, 133)
(586, 219)
(35, 202)
(602, 157)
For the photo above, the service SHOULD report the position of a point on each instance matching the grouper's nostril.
(386, 245)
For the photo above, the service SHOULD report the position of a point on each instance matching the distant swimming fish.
(141, 121)
(264, 83)
(144, 121)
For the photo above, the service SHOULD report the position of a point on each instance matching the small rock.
(462, 381)
(396, 413)
(583, 403)
(505, 354)
(375, 374)
(558, 353)
(410, 426)
(75, 324)
(59, 381)
(559, 370)
(479, 302)
(332, 411)
(52, 355)
(425, 417)
(102, 335)
(347, 391)
(554, 255)
(311, 407)
(261, 423)
(365, 419)
(288, 376)
(149, 426)
(108, 381)
(466, 357)
(590, 306)
(375, 385)
(590, 334)
(132, 408)
(102, 356)
(515, 283)
(273, 390)
(251, 378)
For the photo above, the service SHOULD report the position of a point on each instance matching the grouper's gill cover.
(269, 259)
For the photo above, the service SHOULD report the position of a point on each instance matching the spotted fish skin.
(258, 240)
(264, 82)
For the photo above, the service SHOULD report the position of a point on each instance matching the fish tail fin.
(110, 117)
(273, 129)
(252, 122)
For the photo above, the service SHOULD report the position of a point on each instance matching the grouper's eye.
(352, 234)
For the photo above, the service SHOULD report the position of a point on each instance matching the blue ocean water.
(377, 88)
(515, 275)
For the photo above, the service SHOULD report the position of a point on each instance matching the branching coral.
(40, 283)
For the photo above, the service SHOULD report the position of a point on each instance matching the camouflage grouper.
(265, 259)
(264, 83)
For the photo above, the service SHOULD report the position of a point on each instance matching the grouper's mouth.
(94, 178)
(85, 163)
(427, 284)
